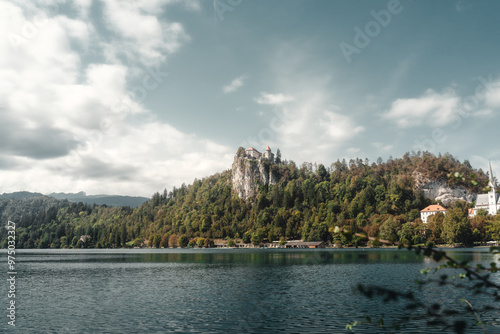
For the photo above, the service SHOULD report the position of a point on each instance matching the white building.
(489, 202)
(253, 153)
(430, 211)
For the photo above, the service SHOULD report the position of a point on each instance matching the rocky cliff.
(248, 174)
(440, 191)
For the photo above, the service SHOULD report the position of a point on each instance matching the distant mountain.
(68, 196)
(21, 195)
(110, 200)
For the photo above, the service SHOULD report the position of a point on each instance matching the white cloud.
(273, 99)
(65, 124)
(492, 96)
(338, 127)
(308, 128)
(432, 109)
(234, 85)
(306, 119)
(143, 37)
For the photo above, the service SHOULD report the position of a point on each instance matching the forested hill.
(306, 202)
(110, 200)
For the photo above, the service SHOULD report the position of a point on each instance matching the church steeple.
(492, 194)
(492, 183)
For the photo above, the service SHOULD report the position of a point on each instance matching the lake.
(220, 290)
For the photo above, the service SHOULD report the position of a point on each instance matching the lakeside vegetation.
(377, 199)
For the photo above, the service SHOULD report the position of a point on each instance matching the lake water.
(218, 291)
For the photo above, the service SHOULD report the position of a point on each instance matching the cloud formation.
(273, 99)
(431, 109)
(234, 85)
(66, 123)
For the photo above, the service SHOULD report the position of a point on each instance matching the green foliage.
(306, 203)
(183, 241)
(493, 229)
(209, 243)
(457, 226)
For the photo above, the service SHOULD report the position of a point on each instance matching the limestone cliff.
(440, 191)
(248, 174)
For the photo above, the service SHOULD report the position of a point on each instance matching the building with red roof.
(430, 211)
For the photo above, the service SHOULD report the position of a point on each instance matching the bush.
(209, 242)
(183, 240)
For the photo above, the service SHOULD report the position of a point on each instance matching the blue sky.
(131, 97)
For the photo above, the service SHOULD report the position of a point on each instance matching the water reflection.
(214, 291)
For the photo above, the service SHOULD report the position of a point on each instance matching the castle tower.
(492, 195)
(268, 154)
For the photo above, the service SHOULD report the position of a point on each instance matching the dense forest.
(377, 199)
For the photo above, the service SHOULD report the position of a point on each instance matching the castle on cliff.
(253, 153)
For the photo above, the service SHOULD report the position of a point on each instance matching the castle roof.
(268, 149)
(252, 149)
(434, 208)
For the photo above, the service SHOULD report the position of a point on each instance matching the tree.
(456, 225)
(183, 241)
(172, 241)
(493, 228)
(209, 243)
(282, 241)
(321, 173)
(435, 225)
(406, 233)
(157, 240)
(138, 243)
(64, 242)
(164, 241)
(247, 237)
(241, 152)
(278, 156)
(201, 242)
(256, 239)
(389, 229)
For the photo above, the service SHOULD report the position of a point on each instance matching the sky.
(132, 97)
